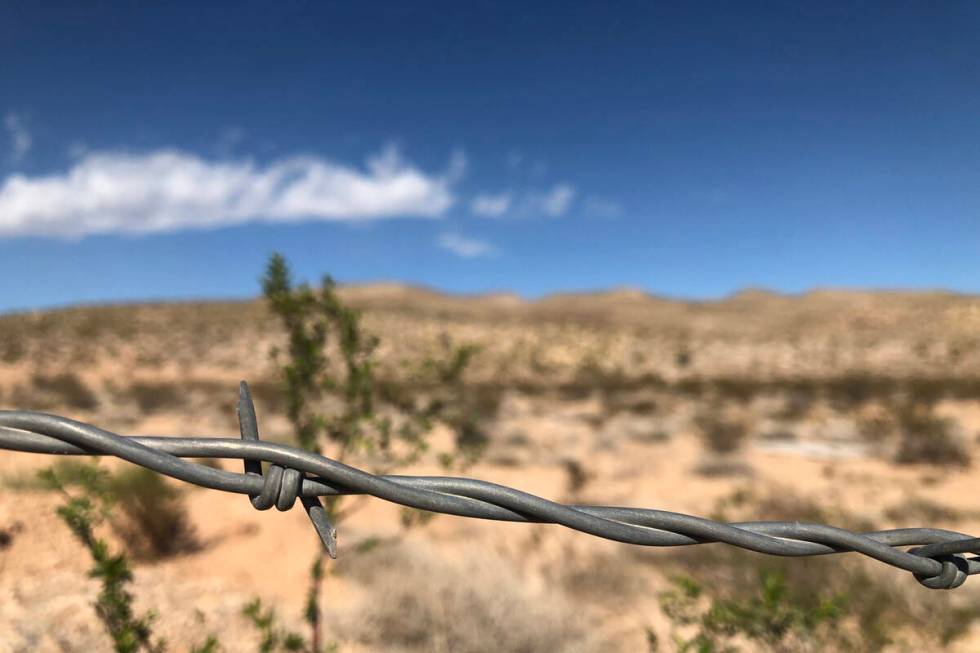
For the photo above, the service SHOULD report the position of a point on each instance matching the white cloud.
(552, 203)
(20, 137)
(167, 190)
(557, 201)
(457, 166)
(491, 206)
(599, 207)
(465, 247)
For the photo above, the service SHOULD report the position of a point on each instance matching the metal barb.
(937, 559)
(281, 485)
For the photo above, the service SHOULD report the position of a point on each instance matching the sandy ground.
(267, 554)
(474, 585)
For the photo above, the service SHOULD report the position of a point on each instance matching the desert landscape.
(857, 409)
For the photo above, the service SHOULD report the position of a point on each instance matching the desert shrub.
(723, 466)
(7, 534)
(683, 357)
(152, 518)
(518, 439)
(330, 357)
(575, 390)
(733, 594)
(781, 503)
(598, 577)
(873, 609)
(12, 349)
(273, 637)
(768, 615)
(486, 399)
(966, 388)
(154, 397)
(850, 391)
(629, 402)
(148, 514)
(422, 602)
(576, 476)
(929, 390)
(927, 438)
(778, 435)
(591, 376)
(87, 503)
(917, 509)
(269, 395)
(798, 401)
(923, 437)
(66, 389)
(740, 390)
(721, 433)
(655, 436)
(512, 450)
(691, 386)
(877, 426)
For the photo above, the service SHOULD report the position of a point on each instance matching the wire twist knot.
(281, 486)
(953, 575)
(955, 566)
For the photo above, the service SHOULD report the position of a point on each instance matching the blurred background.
(711, 258)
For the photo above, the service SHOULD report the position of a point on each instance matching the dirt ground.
(595, 400)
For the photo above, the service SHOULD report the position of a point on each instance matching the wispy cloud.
(465, 247)
(20, 136)
(600, 207)
(556, 201)
(168, 190)
(491, 206)
(553, 202)
(521, 164)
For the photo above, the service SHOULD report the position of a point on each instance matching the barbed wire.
(936, 558)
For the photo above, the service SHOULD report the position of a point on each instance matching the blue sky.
(688, 149)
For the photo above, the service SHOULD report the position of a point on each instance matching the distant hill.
(754, 333)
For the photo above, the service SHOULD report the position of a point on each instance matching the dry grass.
(423, 602)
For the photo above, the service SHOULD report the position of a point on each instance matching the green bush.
(767, 614)
(838, 602)
(88, 502)
(147, 513)
(273, 637)
(330, 359)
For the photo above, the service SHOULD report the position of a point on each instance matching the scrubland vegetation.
(856, 410)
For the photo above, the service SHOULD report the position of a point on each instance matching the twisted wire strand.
(936, 560)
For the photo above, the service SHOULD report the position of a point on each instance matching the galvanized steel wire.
(937, 558)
